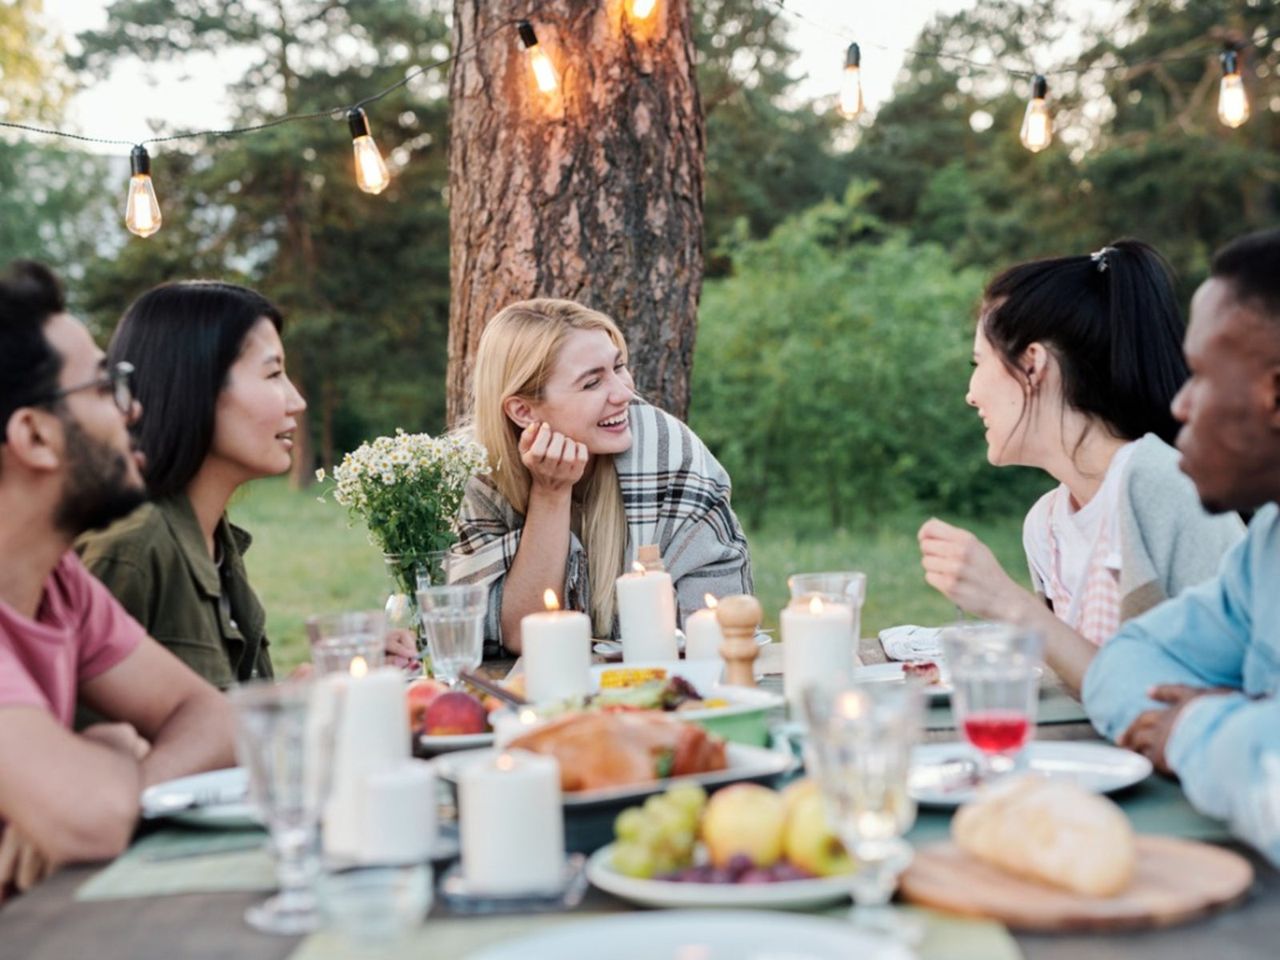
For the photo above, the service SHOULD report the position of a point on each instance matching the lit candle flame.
(359, 666)
(815, 605)
(505, 762)
(550, 600)
(710, 601)
(639, 567)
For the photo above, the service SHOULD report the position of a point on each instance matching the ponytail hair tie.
(1099, 257)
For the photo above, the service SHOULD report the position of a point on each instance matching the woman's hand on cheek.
(555, 462)
(962, 568)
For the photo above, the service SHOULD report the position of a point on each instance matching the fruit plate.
(707, 935)
(891, 672)
(218, 799)
(942, 773)
(429, 745)
(744, 763)
(781, 895)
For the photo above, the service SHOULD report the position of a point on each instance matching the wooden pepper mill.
(739, 617)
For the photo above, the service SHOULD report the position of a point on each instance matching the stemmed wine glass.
(859, 751)
(453, 622)
(995, 677)
(285, 745)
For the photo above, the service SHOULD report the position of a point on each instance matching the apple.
(745, 820)
(454, 713)
(810, 842)
(420, 695)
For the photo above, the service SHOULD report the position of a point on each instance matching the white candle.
(702, 634)
(511, 823)
(399, 815)
(818, 646)
(647, 615)
(372, 738)
(556, 648)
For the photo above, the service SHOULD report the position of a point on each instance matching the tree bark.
(592, 193)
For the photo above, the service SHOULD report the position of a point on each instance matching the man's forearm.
(199, 735)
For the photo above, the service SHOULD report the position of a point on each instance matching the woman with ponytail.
(1076, 362)
(583, 473)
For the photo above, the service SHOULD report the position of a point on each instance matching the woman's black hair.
(182, 339)
(1111, 319)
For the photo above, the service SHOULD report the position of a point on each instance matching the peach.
(421, 694)
(456, 713)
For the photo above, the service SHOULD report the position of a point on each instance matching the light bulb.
(1037, 124)
(1233, 103)
(141, 210)
(643, 9)
(851, 83)
(544, 74)
(371, 171)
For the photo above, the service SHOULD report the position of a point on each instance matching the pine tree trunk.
(592, 193)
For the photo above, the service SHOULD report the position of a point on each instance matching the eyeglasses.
(119, 379)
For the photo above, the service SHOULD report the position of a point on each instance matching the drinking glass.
(859, 751)
(284, 745)
(453, 621)
(338, 638)
(848, 587)
(995, 676)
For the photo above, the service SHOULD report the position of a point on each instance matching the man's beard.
(98, 489)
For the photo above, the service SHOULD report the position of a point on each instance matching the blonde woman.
(584, 473)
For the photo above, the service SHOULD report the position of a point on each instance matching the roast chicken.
(602, 749)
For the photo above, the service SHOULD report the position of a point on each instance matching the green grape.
(629, 824)
(689, 797)
(633, 860)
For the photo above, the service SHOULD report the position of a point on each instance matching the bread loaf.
(1052, 831)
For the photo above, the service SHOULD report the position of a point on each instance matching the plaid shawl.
(675, 494)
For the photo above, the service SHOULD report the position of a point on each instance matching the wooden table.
(48, 924)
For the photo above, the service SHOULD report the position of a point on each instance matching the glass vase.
(409, 572)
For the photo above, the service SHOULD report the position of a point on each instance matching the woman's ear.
(1035, 359)
(518, 411)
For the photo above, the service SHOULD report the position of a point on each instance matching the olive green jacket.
(155, 563)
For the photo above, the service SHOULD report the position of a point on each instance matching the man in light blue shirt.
(1192, 684)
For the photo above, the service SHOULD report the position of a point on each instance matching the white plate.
(937, 769)
(218, 798)
(744, 763)
(612, 649)
(788, 894)
(703, 674)
(706, 935)
(891, 672)
(432, 744)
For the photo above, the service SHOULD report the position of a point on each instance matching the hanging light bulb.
(371, 171)
(851, 84)
(643, 9)
(1233, 103)
(543, 72)
(1037, 124)
(141, 211)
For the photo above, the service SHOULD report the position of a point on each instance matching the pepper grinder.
(739, 617)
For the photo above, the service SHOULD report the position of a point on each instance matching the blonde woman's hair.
(517, 353)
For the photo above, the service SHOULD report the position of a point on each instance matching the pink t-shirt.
(80, 632)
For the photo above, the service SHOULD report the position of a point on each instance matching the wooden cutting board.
(1176, 881)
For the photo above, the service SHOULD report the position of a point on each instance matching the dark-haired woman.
(1076, 362)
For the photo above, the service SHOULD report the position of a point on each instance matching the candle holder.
(739, 618)
(460, 898)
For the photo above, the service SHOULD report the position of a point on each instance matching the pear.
(744, 820)
(809, 841)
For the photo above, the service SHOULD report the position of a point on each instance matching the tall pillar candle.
(702, 633)
(372, 738)
(511, 823)
(647, 615)
(818, 646)
(399, 815)
(556, 648)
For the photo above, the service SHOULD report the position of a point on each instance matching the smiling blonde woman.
(584, 472)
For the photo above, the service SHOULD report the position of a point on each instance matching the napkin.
(910, 642)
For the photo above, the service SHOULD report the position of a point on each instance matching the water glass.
(284, 745)
(453, 622)
(995, 675)
(860, 741)
(338, 638)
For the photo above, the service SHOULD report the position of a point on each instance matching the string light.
(643, 9)
(851, 83)
(543, 72)
(141, 209)
(1233, 102)
(1037, 124)
(371, 171)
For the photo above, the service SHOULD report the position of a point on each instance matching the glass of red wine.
(995, 676)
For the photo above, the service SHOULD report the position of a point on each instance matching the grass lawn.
(306, 560)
